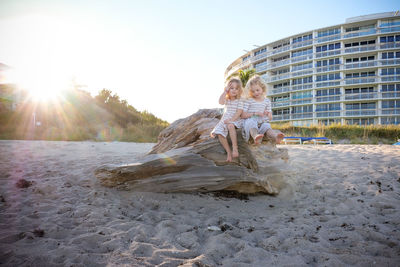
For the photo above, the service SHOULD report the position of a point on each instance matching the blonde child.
(257, 113)
(231, 98)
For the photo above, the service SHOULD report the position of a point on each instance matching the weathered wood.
(186, 159)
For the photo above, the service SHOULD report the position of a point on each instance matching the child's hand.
(261, 114)
(227, 121)
(266, 113)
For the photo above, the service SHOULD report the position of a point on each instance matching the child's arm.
(235, 117)
(222, 98)
(268, 110)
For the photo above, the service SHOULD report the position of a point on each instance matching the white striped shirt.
(252, 106)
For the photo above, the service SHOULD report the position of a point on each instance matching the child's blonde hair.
(239, 86)
(255, 80)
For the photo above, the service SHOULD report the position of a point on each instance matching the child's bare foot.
(235, 152)
(279, 138)
(229, 157)
(258, 139)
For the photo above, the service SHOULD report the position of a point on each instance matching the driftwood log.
(187, 159)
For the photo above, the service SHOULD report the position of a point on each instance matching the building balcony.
(295, 102)
(390, 29)
(261, 67)
(278, 77)
(280, 50)
(388, 62)
(394, 78)
(360, 33)
(327, 84)
(280, 104)
(360, 112)
(390, 45)
(330, 98)
(259, 57)
(302, 115)
(329, 38)
(361, 96)
(362, 48)
(302, 73)
(326, 114)
(328, 53)
(301, 87)
(359, 81)
(283, 117)
(390, 111)
(360, 65)
(302, 44)
(390, 94)
(302, 58)
(278, 90)
(279, 63)
(329, 68)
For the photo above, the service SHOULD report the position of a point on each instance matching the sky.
(165, 57)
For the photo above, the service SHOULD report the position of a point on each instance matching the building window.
(327, 92)
(390, 71)
(390, 22)
(391, 104)
(302, 52)
(328, 77)
(354, 44)
(262, 50)
(323, 48)
(358, 59)
(363, 121)
(388, 55)
(356, 106)
(281, 45)
(390, 120)
(328, 62)
(285, 84)
(360, 28)
(302, 95)
(302, 38)
(302, 66)
(391, 87)
(390, 38)
(328, 32)
(327, 107)
(360, 90)
(302, 109)
(360, 74)
(280, 58)
(302, 80)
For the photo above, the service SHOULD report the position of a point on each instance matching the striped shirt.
(231, 106)
(252, 106)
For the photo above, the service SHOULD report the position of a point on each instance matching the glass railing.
(259, 56)
(330, 98)
(302, 115)
(360, 80)
(279, 77)
(261, 67)
(360, 33)
(301, 73)
(302, 58)
(301, 44)
(358, 65)
(329, 38)
(360, 112)
(391, 111)
(321, 114)
(280, 50)
(281, 117)
(390, 45)
(390, 29)
(372, 95)
(301, 101)
(327, 53)
(328, 68)
(279, 63)
(386, 62)
(390, 94)
(301, 87)
(280, 104)
(327, 84)
(361, 48)
(278, 90)
(390, 78)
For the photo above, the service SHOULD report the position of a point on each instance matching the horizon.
(151, 53)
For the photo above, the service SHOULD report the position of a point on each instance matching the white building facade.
(348, 73)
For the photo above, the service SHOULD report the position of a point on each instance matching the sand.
(340, 207)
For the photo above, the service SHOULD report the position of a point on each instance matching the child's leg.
(275, 135)
(232, 134)
(225, 145)
(250, 126)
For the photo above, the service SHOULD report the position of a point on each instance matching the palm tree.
(244, 75)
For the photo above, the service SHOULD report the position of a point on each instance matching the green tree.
(244, 75)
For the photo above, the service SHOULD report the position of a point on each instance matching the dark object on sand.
(22, 183)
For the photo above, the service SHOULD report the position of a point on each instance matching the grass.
(354, 134)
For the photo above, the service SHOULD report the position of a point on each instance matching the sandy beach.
(340, 207)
